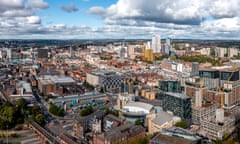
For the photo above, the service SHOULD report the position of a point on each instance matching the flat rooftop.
(146, 106)
(162, 117)
(171, 139)
(178, 95)
(103, 72)
(229, 68)
(56, 79)
(73, 97)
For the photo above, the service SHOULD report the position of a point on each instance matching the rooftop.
(25, 85)
(122, 131)
(176, 135)
(178, 95)
(230, 68)
(171, 139)
(146, 106)
(55, 79)
(103, 72)
(84, 96)
(162, 117)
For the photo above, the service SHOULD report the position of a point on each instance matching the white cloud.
(165, 11)
(11, 4)
(128, 19)
(16, 13)
(225, 24)
(37, 4)
(69, 8)
(33, 20)
(97, 10)
(225, 8)
(191, 12)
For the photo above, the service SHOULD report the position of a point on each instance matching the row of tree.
(11, 115)
(86, 111)
(201, 59)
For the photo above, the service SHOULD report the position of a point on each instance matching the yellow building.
(148, 55)
(162, 120)
(150, 95)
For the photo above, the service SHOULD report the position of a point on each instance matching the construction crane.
(221, 90)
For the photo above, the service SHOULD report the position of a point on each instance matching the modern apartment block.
(179, 104)
(169, 86)
(210, 77)
(217, 76)
(156, 44)
(225, 52)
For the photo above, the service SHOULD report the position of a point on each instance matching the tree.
(181, 124)
(36, 110)
(218, 141)
(8, 116)
(39, 118)
(115, 113)
(138, 122)
(56, 110)
(212, 52)
(86, 111)
(21, 103)
(8, 113)
(88, 85)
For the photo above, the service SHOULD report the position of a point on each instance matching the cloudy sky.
(99, 19)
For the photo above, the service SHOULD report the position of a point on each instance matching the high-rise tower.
(156, 44)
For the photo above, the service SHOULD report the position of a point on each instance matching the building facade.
(179, 104)
(156, 44)
(169, 86)
(105, 79)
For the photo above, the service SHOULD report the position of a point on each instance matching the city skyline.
(119, 19)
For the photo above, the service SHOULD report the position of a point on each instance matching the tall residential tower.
(156, 44)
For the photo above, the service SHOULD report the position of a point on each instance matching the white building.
(156, 44)
(1, 55)
(137, 108)
(205, 51)
(9, 53)
(232, 52)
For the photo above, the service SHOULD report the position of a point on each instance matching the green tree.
(8, 113)
(86, 111)
(173, 57)
(212, 52)
(8, 116)
(56, 110)
(218, 141)
(138, 122)
(21, 103)
(36, 110)
(181, 124)
(115, 113)
(88, 85)
(39, 118)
